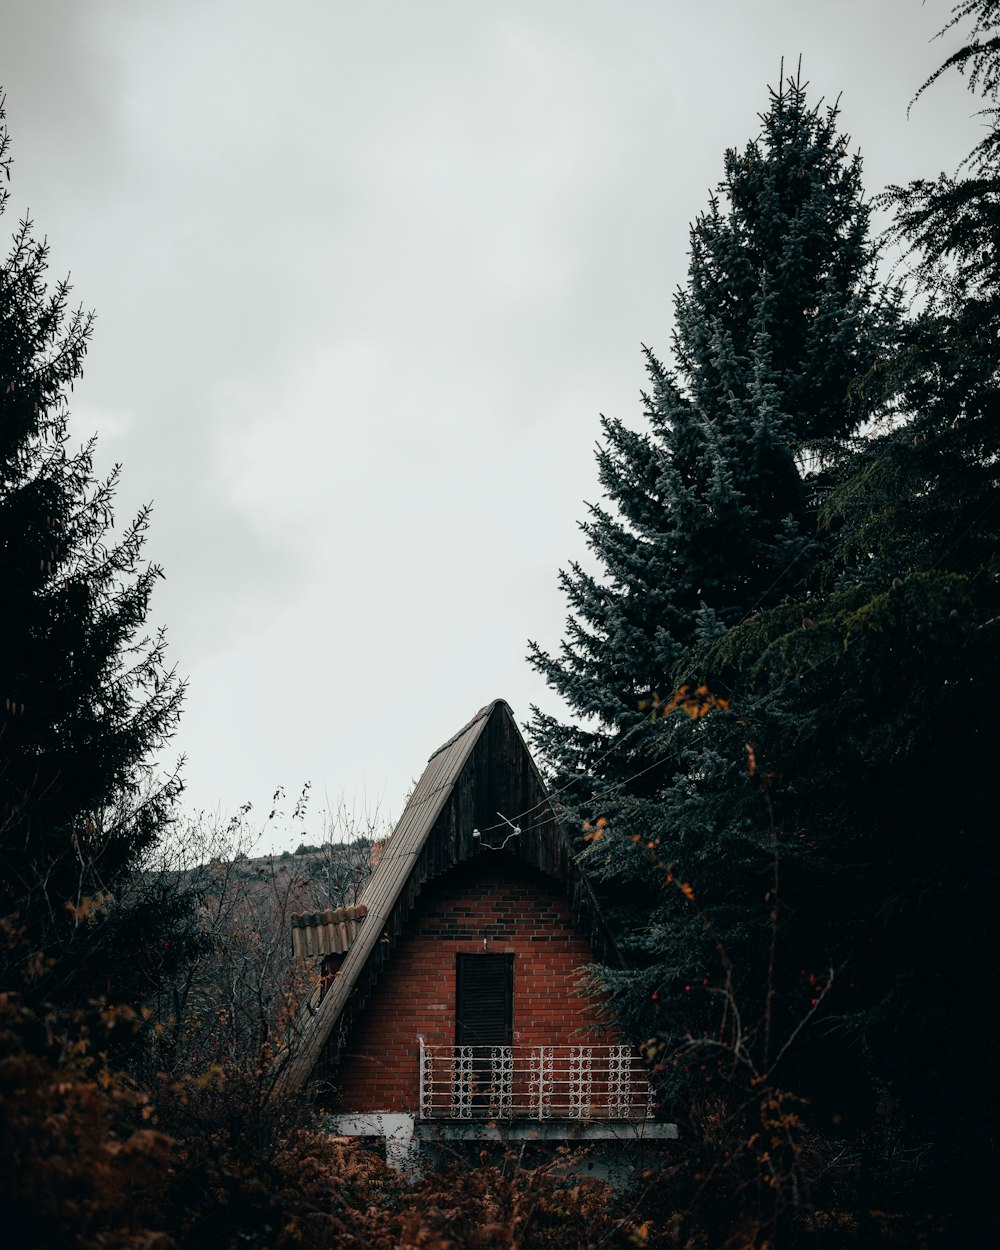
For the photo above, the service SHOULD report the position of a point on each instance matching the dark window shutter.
(484, 1000)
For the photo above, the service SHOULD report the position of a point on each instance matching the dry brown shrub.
(506, 1207)
(81, 1171)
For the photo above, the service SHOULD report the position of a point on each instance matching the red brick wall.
(520, 912)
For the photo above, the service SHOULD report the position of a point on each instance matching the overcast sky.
(365, 274)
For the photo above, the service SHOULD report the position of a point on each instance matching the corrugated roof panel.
(329, 932)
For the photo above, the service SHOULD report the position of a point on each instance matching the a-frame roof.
(477, 788)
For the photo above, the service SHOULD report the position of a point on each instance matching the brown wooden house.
(459, 1004)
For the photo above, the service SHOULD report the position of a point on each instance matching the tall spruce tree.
(714, 524)
(711, 515)
(85, 699)
(880, 714)
(712, 520)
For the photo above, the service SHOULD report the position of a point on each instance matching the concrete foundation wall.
(616, 1152)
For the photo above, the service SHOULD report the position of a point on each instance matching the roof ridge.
(480, 715)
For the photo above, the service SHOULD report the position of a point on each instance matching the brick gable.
(519, 911)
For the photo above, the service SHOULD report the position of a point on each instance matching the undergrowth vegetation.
(95, 1161)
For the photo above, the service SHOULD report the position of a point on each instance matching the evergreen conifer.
(85, 699)
(711, 504)
(881, 716)
(714, 526)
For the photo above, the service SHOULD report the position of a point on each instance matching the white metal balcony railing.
(532, 1082)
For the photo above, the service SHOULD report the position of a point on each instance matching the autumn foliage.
(90, 1165)
(82, 1160)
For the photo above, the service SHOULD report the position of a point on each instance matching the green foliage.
(716, 523)
(710, 514)
(804, 866)
(85, 700)
(950, 224)
(877, 700)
